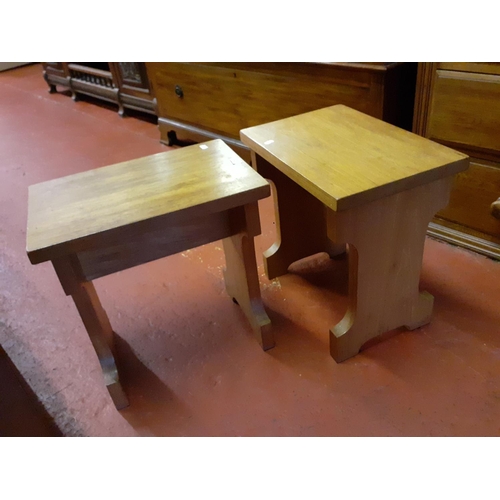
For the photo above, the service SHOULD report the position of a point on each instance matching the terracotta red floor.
(189, 362)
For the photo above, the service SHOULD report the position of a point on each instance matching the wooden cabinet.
(55, 73)
(134, 90)
(200, 101)
(458, 105)
(124, 83)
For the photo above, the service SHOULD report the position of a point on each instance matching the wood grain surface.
(81, 211)
(346, 158)
(465, 110)
(457, 104)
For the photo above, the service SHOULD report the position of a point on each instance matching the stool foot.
(118, 395)
(348, 337)
(369, 319)
(276, 262)
(422, 311)
(266, 335)
(242, 285)
(343, 345)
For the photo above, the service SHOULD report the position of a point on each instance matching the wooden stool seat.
(344, 178)
(98, 222)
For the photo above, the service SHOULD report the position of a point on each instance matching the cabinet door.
(457, 104)
(473, 193)
(131, 76)
(488, 68)
(134, 91)
(465, 111)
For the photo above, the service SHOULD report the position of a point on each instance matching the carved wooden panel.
(133, 74)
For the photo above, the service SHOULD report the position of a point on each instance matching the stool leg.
(378, 300)
(96, 323)
(300, 221)
(386, 243)
(98, 327)
(241, 276)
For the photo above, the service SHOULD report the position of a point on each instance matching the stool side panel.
(407, 183)
(154, 245)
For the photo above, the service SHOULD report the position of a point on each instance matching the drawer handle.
(495, 209)
(179, 92)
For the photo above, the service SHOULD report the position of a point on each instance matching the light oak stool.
(344, 178)
(106, 220)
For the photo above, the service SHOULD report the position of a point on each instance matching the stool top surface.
(346, 158)
(175, 185)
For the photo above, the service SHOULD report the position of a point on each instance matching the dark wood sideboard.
(123, 83)
(458, 105)
(201, 101)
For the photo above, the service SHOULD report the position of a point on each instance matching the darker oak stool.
(344, 178)
(106, 220)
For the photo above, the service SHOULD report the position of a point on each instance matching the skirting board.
(469, 241)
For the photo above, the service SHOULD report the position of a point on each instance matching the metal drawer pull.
(495, 209)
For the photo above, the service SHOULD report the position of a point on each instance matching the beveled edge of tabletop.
(112, 235)
(367, 196)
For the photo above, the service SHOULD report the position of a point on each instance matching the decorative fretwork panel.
(130, 71)
(133, 74)
(103, 81)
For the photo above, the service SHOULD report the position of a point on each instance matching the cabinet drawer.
(225, 100)
(465, 110)
(472, 195)
(489, 68)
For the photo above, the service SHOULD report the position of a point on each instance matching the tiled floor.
(189, 362)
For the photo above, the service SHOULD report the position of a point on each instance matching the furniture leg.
(241, 276)
(385, 246)
(96, 323)
(52, 87)
(300, 221)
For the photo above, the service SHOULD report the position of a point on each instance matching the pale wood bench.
(344, 178)
(109, 219)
